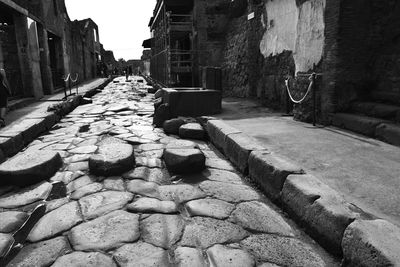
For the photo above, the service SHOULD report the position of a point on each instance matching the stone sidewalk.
(145, 216)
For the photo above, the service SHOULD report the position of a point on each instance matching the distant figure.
(5, 92)
(127, 73)
(130, 70)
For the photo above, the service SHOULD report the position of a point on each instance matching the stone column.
(45, 68)
(35, 59)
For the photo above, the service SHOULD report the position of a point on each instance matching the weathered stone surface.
(6, 241)
(155, 175)
(149, 147)
(112, 159)
(80, 259)
(56, 203)
(217, 131)
(220, 164)
(104, 202)
(83, 150)
(180, 193)
(270, 171)
(179, 144)
(162, 230)
(41, 254)
(205, 232)
(220, 255)
(114, 184)
(78, 166)
(325, 213)
(184, 160)
(389, 133)
(209, 208)
(141, 254)
(148, 189)
(55, 222)
(11, 221)
(146, 205)
(79, 183)
(107, 232)
(30, 167)
(371, 243)
(25, 196)
(229, 192)
(161, 114)
(172, 126)
(192, 257)
(282, 251)
(192, 131)
(222, 176)
(149, 162)
(257, 216)
(87, 190)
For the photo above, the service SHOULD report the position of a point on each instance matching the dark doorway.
(56, 60)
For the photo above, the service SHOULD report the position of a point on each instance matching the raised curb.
(337, 225)
(20, 133)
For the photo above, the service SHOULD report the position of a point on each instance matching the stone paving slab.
(146, 216)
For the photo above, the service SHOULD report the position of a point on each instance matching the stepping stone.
(180, 193)
(224, 256)
(55, 222)
(172, 126)
(161, 114)
(192, 131)
(11, 221)
(283, 251)
(182, 161)
(41, 254)
(104, 202)
(107, 232)
(26, 196)
(91, 259)
(6, 241)
(210, 208)
(112, 159)
(148, 205)
(258, 217)
(205, 232)
(162, 230)
(229, 192)
(192, 257)
(30, 167)
(143, 188)
(141, 254)
(86, 190)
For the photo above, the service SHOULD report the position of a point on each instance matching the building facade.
(39, 45)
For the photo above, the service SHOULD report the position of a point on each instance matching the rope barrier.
(76, 78)
(310, 86)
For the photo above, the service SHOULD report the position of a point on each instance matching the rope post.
(65, 89)
(314, 96)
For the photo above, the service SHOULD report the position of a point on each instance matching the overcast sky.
(122, 23)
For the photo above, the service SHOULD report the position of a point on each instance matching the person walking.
(4, 93)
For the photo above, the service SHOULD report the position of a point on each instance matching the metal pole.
(314, 92)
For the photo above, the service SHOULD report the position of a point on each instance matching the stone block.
(218, 131)
(356, 123)
(161, 114)
(238, 148)
(371, 243)
(184, 160)
(192, 131)
(270, 172)
(172, 126)
(324, 212)
(389, 133)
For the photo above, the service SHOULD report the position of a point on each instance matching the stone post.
(45, 68)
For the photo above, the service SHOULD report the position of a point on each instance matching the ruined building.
(258, 44)
(39, 45)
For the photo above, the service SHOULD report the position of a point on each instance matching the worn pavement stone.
(80, 183)
(81, 259)
(143, 188)
(112, 159)
(149, 162)
(205, 232)
(192, 131)
(282, 251)
(83, 150)
(41, 254)
(11, 221)
(114, 184)
(184, 160)
(141, 254)
(162, 230)
(104, 202)
(30, 167)
(155, 175)
(6, 240)
(222, 176)
(214, 208)
(55, 222)
(25, 196)
(86, 190)
(107, 232)
(219, 255)
(179, 144)
(180, 193)
(146, 205)
(371, 243)
(256, 216)
(229, 192)
(192, 257)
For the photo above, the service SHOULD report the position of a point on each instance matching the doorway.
(56, 60)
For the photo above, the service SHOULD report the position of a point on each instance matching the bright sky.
(122, 23)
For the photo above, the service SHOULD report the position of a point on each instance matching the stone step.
(377, 110)
(20, 103)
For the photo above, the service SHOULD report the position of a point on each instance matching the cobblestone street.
(120, 205)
